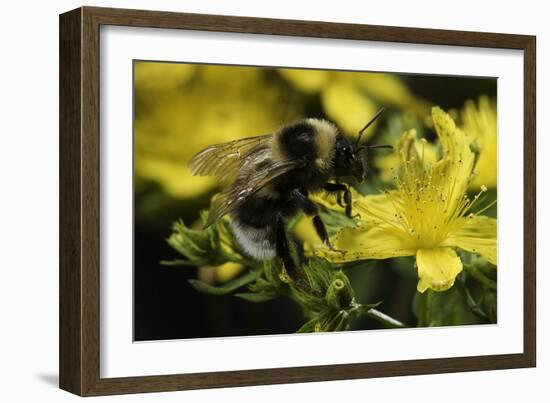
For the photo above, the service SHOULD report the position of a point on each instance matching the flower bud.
(339, 292)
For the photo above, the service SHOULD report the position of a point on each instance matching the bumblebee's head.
(349, 157)
(347, 161)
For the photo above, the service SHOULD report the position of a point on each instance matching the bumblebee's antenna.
(375, 146)
(370, 122)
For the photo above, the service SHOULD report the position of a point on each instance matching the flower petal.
(305, 231)
(228, 271)
(330, 199)
(479, 121)
(477, 235)
(162, 76)
(455, 168)
(309, 81)
(376, 209)
(410, 148)
(364, 243)
(389, 89)
(406, 147)
(437, 268)
(346, 105)
(175, 181)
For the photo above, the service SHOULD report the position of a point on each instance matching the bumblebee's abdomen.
(254, 224)
(258, 243)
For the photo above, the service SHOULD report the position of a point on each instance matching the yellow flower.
(428, 215)
(480, 122)
(351, 98)
(155, 76)
(345, 104)
(388, 164)
(228, 271)
(308, 81)
(181, 109)
(220, 274)
(305, 231)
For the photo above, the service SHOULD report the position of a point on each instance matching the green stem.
(427, 313)
(372, 312)
(384, 319)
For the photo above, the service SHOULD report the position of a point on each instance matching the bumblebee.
(271, 177)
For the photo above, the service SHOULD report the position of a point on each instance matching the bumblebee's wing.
(249, 182)
(225, 160)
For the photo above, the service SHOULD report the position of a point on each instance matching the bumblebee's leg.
(310, 209)
(340, 187)
(337, 188)
(282, 248)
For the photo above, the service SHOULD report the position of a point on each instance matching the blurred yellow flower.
(308, 81)
(156, 76)
(330, 200)
(180, 109)
(351, 98)
(219, 274)
(305, 231)
(228, 271)
(346, 105)
(389, 90)
(480, 122)
(427, 216)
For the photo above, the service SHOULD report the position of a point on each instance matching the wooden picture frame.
(80, 199)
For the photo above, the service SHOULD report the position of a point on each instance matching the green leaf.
(481, 299)
(256, 297)
(327, 321)
(198, 247)
(447, 308)
(272, 272)
(333, 321)
(308, 327)
(175, 262)
(261, 285)
(363, 309)
(489, 304)
(474, 306)
(319, 274)
(475, 271)
(228, 287)
(311, 295)
(334, 221)
(292, 222)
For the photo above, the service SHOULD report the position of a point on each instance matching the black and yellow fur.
(272, 177)
(259, 223)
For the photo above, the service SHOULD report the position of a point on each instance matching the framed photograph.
(249, 201)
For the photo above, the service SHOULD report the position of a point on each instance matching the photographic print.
(278, 200)
(237, 208)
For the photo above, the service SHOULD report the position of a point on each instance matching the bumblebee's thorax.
(311, 139)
